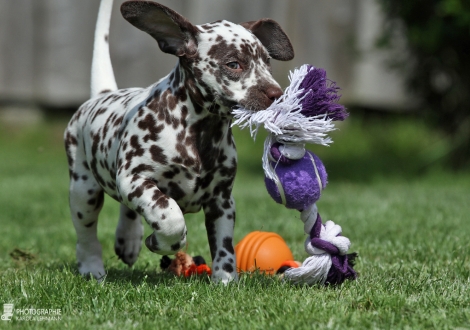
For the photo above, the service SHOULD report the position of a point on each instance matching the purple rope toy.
(320, 96)
(296, 177)
(342, 265)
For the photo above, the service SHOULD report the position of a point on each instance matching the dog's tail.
(102, 75)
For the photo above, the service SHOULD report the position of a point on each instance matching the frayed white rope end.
(314, 270)
(284, 119)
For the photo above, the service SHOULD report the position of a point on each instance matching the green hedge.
(436, 63)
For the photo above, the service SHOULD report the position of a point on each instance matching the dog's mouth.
(229, 104)
(253, 106)
(255, 100)
(258, 99)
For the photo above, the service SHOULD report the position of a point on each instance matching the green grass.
(407, 218)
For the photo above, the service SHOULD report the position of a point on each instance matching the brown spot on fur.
(175, 191)
(171, 174)
(180, 94)
(158, 155)
(98, 112)
(161, 199)
(141, 168)
(137, 192)
(70, 140)
(227, 244)
(147, 123)
(213, 212)
(228, 268)
(131, 214)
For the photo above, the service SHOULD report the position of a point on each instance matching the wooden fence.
(46, 46)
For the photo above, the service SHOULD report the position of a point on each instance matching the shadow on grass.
(139, 276)
(256, 280)
(134, 276)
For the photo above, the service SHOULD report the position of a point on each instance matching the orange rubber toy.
(264, 251)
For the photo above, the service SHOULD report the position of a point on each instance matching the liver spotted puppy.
(167, 150)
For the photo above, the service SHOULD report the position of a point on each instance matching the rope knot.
(328, 262)
(326, 239)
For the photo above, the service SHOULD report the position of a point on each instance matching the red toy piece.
(185, 265)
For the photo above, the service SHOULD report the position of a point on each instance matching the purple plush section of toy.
(321, 96)
(299, 182)
(276, 154)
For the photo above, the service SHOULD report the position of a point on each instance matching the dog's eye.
(233, 65)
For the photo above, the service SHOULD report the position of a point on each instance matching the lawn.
(407, 218)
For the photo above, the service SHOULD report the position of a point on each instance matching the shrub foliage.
(437, 63)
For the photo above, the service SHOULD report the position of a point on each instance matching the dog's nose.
(273, 93)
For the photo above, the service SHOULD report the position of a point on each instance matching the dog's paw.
(166, 245)
(128, 249)
(92, 265)
(224, 277)
(89, 260)
(129, 243)
(224, 269)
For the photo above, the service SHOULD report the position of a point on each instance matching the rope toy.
(295, 177)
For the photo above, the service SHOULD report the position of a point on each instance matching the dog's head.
(229, 63)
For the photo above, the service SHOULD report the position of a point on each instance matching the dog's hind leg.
(86, 201)
(129, 234)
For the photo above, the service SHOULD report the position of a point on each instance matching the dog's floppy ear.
(271, 35)
(174, 33)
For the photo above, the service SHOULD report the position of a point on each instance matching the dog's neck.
(204, 120)
(203, 98)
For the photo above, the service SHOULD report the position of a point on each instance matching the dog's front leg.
(161, 212)
(220, 221)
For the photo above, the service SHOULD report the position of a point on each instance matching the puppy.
(167, 150)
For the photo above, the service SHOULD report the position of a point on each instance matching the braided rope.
(328, 262)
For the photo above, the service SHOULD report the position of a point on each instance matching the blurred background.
(403, 67)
